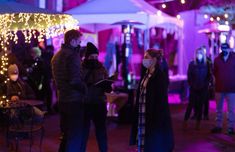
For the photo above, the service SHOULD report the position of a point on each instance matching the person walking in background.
(152, 125)
(224, 72)
(199, 76)
(66, 70)
(95, 104)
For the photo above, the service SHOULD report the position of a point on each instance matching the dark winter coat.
(158, 127)
(93, 72)
(224, 72)
(20, 89)
(199, 75)
(66, 70)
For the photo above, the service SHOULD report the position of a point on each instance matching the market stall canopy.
(97, 15)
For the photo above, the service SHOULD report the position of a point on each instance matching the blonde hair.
(203, 52)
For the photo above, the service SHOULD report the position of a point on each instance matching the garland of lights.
(32, 25)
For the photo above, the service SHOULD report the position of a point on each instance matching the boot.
(197, 126)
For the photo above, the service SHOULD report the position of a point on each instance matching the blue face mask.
(199, 56)
(147, 63)
(224, 53)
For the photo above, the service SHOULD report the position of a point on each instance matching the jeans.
(71, 118)
(230, 97)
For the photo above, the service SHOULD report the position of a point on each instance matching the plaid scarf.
(142, 108)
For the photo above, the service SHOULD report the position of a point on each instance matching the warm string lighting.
(222, 19)
(49, 25)
(32, 25)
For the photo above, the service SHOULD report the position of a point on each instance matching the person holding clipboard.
(96, 78)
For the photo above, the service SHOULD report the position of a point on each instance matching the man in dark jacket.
(224, 72)
(66, 70)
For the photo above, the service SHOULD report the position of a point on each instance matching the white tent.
(97, 15)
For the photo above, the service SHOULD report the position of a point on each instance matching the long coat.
(158, 127)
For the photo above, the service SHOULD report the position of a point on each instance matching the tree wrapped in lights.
(33, 23)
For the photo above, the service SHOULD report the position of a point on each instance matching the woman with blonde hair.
(199, 77)
(152, 129)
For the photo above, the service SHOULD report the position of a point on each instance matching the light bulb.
(164, 5)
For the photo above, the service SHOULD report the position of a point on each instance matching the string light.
(182, 1)
(218, 18)
(32, 25)
(226, 22)
(164, 5)
(206, 16)
(226, 15)
(178, 16)
(211, 19)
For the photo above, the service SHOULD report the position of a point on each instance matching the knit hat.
(90, 49)
(13, 69)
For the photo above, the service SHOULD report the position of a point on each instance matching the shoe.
(230, 131)
(216, 130)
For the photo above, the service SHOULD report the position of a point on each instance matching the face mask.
(199, 57)
(147, 63)
(224, 53)
(14, 77)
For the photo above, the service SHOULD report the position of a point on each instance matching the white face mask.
(199, 56)
(14, 77)
(147, 63)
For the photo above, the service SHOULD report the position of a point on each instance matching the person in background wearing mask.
(18, 90)
(199, 77)
(66, 71)
(95, 105)
(152, 128)
(224, 72)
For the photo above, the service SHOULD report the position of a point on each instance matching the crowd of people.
(204, 74)
(75, 74)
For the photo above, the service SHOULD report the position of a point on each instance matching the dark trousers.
(47, 92)
(196, 100)
(206, 108)
(71, 118)
(96, 113)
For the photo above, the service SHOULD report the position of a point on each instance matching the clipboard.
(104, 83)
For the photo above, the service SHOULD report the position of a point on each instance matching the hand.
(114, 76)
(15, 98)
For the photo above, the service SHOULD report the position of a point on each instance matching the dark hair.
(155, 53)
(71, 34)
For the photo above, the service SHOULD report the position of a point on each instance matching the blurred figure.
(152, 121)
(95, 105)
(35, 68)
(47, 55)
(224, 72)
(66, 70)
(199, 77)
